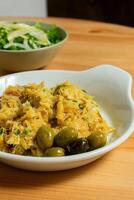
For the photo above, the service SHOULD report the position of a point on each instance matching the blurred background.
(113, 11)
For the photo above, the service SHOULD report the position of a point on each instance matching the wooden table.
(109, 178)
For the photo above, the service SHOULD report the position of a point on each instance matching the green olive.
(66, 136)
(54, 151)
(97, 139)
(45, 137)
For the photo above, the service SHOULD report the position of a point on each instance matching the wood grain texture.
(109, 178)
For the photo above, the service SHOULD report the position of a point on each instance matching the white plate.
(110, 86)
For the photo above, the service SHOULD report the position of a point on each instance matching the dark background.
(114, 11)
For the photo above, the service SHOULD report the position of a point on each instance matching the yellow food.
(24, 109)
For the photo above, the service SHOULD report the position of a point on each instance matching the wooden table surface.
(112, 176)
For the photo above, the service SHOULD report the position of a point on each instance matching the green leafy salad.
(21, 36)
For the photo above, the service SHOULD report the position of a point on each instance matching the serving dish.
(111, 88)
(23, 60)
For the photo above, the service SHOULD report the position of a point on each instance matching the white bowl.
(110, 86)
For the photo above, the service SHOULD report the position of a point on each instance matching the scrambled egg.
(24, 109)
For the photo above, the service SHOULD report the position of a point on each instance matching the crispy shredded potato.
(24, 109)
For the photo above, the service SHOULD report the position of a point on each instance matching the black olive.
(78, 146)
(53, 122)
